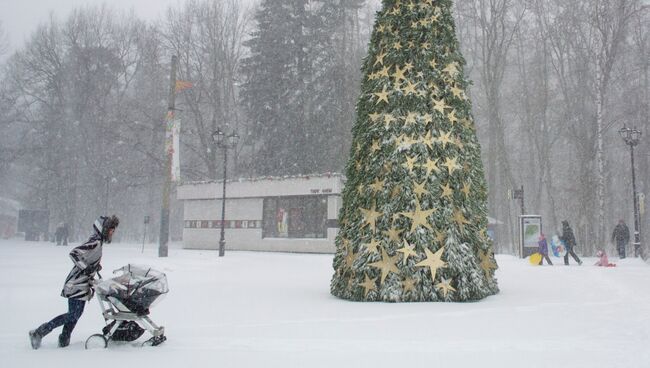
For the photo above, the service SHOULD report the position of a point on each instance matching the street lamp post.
(225, 142)
(631, 138)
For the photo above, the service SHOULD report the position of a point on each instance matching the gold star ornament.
(451, 69)
(408, 284)
(460, 218)
(419, 217)
(445, 138)
(433, 261)
(369, 285)
(408, 250)
(380, 58)
(386, 265)
(487, 263)
(372, 246)
(466, 189)
(377, 186)
(445, 286)
(419, 188)
(382, 96)
(432, 166)
(370, 217)
(447, 191)
(451, 164)
(393, 234)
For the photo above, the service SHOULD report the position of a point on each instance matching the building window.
(295, 217)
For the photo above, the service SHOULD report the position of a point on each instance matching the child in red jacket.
(603, 261)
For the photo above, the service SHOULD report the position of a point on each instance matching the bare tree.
(494, 24)
(4, 40)
(587, 43)
(637, 100)
(553, 82)
(71, 85)
(609, 21)
(540, 129)
(207, 36)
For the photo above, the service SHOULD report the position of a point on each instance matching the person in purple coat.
(78, 286)
(543, 250)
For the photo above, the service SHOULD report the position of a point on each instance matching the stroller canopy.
(137, 287)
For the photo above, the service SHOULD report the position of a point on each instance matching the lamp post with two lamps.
(226, 142)
(631, 138)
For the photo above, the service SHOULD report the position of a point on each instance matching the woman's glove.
(91, 270)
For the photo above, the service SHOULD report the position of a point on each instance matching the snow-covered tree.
(414, 216)
(73, 105)
(298, 83)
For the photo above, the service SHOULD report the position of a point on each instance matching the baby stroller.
(125, 300)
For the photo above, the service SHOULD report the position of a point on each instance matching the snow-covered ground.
(275, 310)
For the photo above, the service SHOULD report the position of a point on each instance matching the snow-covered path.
(275, 310)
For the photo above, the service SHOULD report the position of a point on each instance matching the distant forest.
(83, 102)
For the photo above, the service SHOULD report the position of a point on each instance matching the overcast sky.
(20, 17)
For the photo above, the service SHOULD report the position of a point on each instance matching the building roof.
(266, 186)
(266, 178)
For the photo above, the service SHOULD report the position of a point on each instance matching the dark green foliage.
(298, 82)
(398, 132)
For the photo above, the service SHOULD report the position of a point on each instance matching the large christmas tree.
(413, 225)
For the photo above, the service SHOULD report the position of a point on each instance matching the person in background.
(61, 234)
(621, 237)
(65, 233)
(569, 242)
(543, 250)
(78, 287)
(603, 261)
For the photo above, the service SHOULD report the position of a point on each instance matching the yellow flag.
(182, 85)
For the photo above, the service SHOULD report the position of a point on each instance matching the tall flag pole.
(413, 224)
(169, 151)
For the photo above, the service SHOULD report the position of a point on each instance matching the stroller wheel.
(96, 341)
(155, 341)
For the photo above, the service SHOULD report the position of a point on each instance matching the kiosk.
(530, 229)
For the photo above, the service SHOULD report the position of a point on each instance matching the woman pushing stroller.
(78, 285)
